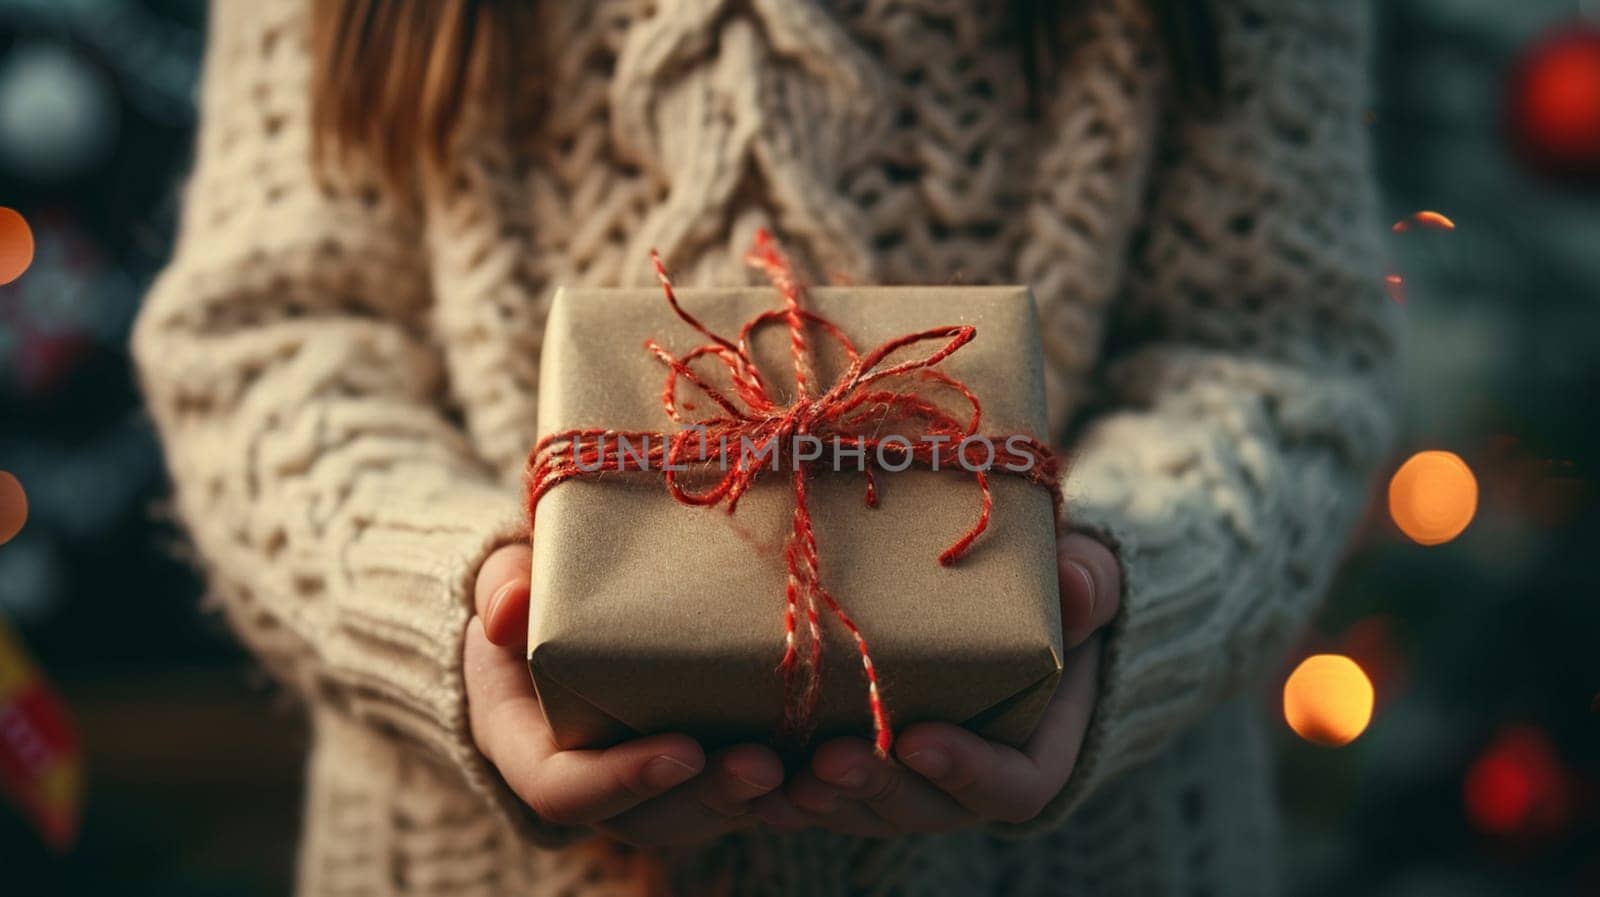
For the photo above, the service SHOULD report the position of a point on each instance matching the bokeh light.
(1517, 787)
(1553, 101)
(1425, 218)
(1433, 497)
(16, 245)
(1396, 285)
(1328, 699)
(13, 507)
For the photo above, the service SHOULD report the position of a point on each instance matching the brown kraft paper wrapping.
(649, 616)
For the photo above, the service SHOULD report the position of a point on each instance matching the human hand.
(656, 790)
(948, 778)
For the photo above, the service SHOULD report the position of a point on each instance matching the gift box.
(652, 615)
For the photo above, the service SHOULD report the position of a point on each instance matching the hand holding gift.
(658, 790)
(649, 614)
(663, 789)
(949, 778)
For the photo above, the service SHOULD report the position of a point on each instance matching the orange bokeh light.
(13, 507)
(1426, 218)
(16, 245)
(1396, 286)
(1327, 700)
(1433, 497)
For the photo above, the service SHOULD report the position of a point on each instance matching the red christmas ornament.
(1553, 103)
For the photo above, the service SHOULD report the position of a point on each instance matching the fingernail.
(499, 598)
(754, 785)
(667, 772)
(853, 777)
(1088, 580)
(932, 763)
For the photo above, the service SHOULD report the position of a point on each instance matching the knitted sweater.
(344, 376)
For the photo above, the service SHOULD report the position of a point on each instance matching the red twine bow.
(852, 415)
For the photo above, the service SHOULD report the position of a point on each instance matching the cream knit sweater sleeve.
(341, 514)
(1249, 376)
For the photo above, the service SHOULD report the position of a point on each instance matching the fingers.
(711, 804)
(501, 594)
(1055, 743)
(564, 787)
(897, 796)
(991, 781)
(1091, 586)
(780, 814)
(652, 790)
(1000, 783)
(827, 807)
(585, 787)
(502, 708)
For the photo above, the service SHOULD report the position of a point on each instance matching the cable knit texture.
(345, 378)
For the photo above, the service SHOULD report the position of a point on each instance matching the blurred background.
(141, 750)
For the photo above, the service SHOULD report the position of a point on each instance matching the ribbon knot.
(879, 411)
